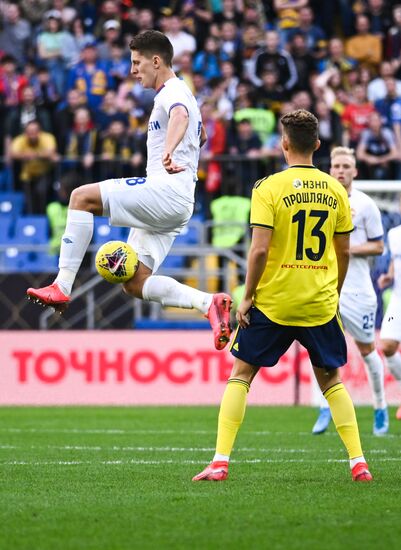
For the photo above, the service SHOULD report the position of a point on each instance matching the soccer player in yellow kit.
(297, 263)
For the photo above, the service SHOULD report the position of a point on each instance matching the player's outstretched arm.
(369, 248)
(203, 136)
(257, 258)
(341, 247)
(176, 128)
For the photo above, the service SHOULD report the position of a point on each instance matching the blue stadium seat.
(31, 230)
(103, 232)
(12, 203)
(13, 260)
(6, 226)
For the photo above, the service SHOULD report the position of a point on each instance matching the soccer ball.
(116, 261)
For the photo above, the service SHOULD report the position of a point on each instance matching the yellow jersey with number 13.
(305, 208)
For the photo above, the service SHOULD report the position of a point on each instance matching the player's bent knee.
(389, 347)
(87, 198)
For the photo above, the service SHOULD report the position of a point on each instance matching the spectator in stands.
(15, 33)
(46, 95)
(201, 88)
(365, 47)
(53, 50)
(90, 76)
(109, 9)
(211, 171)
(377, 86)
(56, 210)
(80, 37)
(109, 112)
(218, 96)
(393, 39)
(35, 152)
(26, 112)
(34, 10)
(230, 10)
(302, 100)
(68, 13)
(208, 61)
(379, 13)
(118, 157)
(111, 33)
(244, 141)
(81, 145)
(271, 57)
(355, 116)
(252, 40)
(186, 72)
(181, 40)
(198, 18)
(12, 83)
(376, 150)
(119, 64)
(312, 33)
(389, 107)
(231, 44)
(270, 95)
(336, 58)
(64, 117)
(330, 134)
(230, 80)
(304, 61)
(262, 121)
(287, 12)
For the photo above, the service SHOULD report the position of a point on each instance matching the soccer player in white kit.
(157, 206)
(358, 301)
(390, 333)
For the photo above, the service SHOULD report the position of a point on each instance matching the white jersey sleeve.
(174, 92)
(367, 227)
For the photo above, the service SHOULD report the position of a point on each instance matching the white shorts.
(154, 210)
(391, 324)
(358, 314)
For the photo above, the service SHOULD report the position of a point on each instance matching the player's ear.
(317, 145)
(156, 61)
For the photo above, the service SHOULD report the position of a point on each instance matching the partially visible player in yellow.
(297, 263)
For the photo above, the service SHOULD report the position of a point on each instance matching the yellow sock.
(343, 413)
(232, 411)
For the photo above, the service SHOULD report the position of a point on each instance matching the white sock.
(394, 365)
(220, 458)
(169, 292)
(74, 243)
(375, 372)
(356, 460)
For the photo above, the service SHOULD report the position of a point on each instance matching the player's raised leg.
(232, 412)
(344, 418)
(85, 202)
(169, 292)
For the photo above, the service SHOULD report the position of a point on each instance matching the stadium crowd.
(69, 105)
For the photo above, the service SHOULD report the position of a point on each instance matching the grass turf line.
(131, 484)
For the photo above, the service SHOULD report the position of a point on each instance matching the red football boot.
(360, 472)
(216, 471)
(51, 296)
(219, 318)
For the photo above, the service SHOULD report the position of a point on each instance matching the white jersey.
(367, 227)
(394, 243)
(174, 92)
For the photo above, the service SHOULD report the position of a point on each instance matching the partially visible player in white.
(390, 334)
(358, 301)
(156, 207)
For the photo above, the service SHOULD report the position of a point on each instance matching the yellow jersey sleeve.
(262, 208)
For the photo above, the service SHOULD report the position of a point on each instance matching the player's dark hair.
(301, 127)
(152, 42)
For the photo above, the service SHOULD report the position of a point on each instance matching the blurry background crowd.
(71, 113)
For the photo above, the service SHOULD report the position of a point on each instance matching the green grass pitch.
(120, 478)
